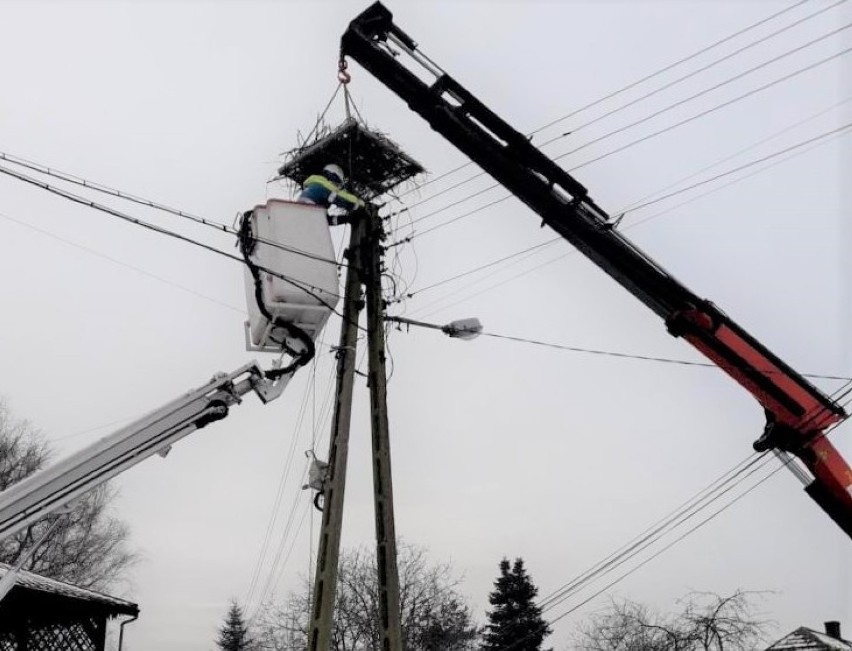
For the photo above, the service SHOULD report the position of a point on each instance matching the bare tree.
(434, 615)
(706, 622)
(88, 546)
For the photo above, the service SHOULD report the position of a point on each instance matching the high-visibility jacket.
(319, 190)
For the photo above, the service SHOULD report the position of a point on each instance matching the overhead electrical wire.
(622, 355)
(323, 418)
(716, 62)
(632, 207)
(285, 473)
(644, 220)
(706, 112)
(671, 66)
(740, 168)
(536, 247)
(305, 287)
(656, 532)
(122, 263)
(283, 557)
(630, 86)
(320, 424)
(817, 139)
(641, 139)
(616, 581)
(691, 509)
(148, 203)
(676, 519)
(648, 358)
(277, 562)
(635, 101)
(652, 530)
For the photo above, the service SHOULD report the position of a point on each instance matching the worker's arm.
(334, 195)
(346, 200)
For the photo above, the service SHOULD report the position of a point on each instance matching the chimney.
(832, 629)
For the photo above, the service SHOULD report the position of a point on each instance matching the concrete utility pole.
(389, 612)
(328, 553)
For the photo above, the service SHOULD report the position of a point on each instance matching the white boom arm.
(47, 490)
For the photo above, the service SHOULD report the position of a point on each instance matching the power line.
(630, 86)
(723, 186)
(716, 62)
(652, 93)
(687, 533)
(305, 287)
(706, 112)
(646, 137)
(122, 263)
(644, 541)
(648, 358)
(282, 558)
(630, 207)
(324, 416)
(694, 55)
(670, 517)
(635, 207)
(148, 203)
(609, 353)
(537, 247)
(285, 473)
(740, 168)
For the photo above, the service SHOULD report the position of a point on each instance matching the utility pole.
(386, 562)
(328, 553)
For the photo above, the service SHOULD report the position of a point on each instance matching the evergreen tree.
(234, 636)
(514, 621)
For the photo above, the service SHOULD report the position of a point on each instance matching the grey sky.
(499, 448)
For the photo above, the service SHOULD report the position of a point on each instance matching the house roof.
(804, 638)
(45, 587)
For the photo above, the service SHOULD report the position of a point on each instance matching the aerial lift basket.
(299, 277)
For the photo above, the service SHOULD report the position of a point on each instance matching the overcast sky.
(499, 448)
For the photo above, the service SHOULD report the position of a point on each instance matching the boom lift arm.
(798, 414)
(44, 492)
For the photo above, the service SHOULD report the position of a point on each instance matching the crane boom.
(46, 491)
(798, 414)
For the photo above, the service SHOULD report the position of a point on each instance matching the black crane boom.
(798, 414)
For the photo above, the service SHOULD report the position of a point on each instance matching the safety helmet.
(335, 170)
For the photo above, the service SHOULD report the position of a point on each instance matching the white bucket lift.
(307, 259)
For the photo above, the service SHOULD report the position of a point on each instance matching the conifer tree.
(514, 621)
(234, 635)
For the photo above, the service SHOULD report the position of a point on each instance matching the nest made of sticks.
(373, 162)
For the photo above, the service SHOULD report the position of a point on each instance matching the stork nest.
(373, 162)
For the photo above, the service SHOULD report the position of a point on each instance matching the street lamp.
(459, 329)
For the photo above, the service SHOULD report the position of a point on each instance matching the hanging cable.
(285, 473)
(300, 357)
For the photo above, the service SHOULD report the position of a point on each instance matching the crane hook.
(343, 75)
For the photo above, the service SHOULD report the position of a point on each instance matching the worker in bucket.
(326, 189)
